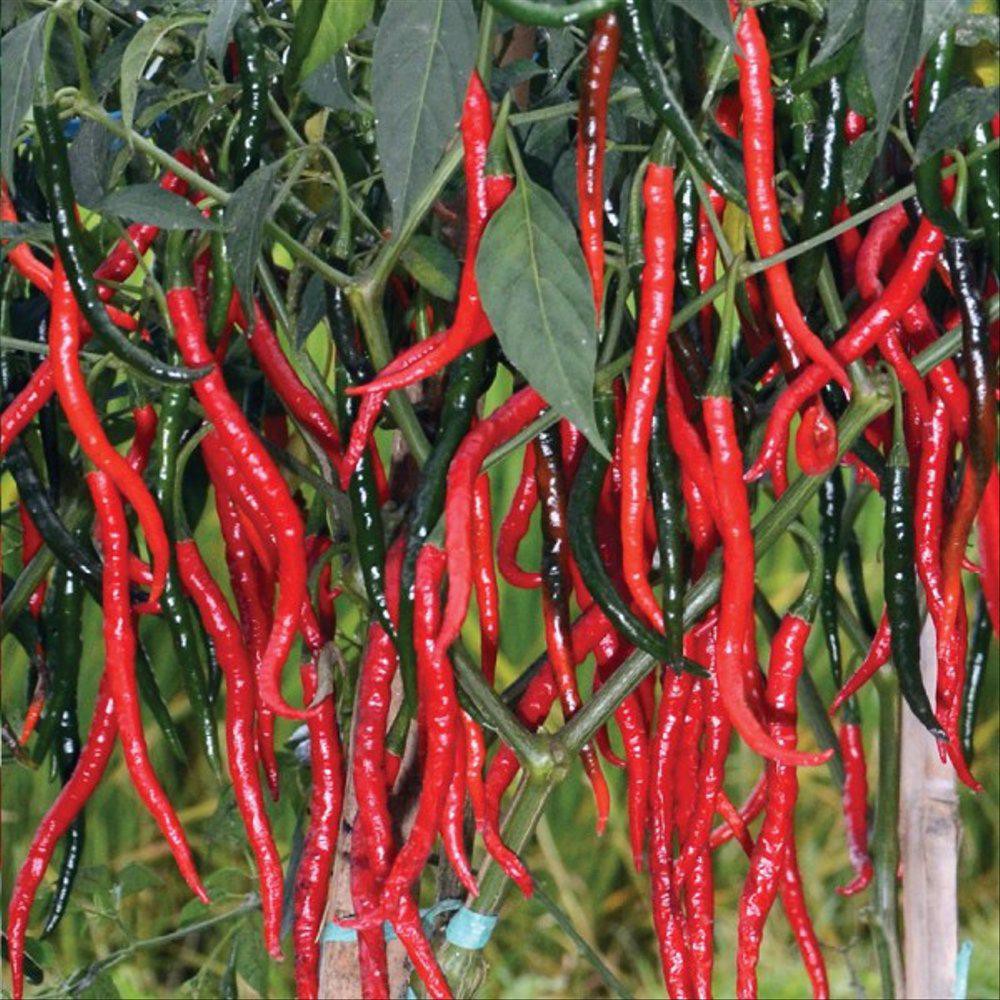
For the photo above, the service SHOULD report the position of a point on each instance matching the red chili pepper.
(855, 125)
(71, 387)
(655, 310)
(485, 580)
(988, 521)
(452, 822)
(666, 909)
(515, 524)
(142, 439)
(373, 968)
(31, 542)
(595, 86)
(754, 63)
(855, 800)
(516, 413)
(119, 665)
(816, 440)
(241, 739)
(86, 776)
(228, 419)
(876, 657)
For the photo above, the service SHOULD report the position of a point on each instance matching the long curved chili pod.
(515, 524)
(877, 656)
(119, 653)
(988, 521)
(64, 343)
(484, 579)
(373, 968)
(241, 741)
(555, 601)
(452, 822)
(66, 230)
(326, 798)
(979, 653)
(591, 135)
(758, 160)
(86, 775)
(248, 141)
(666, 908)
(855, 800)
(233, 427)
(501, 425)
(778, 830)
(655, 309)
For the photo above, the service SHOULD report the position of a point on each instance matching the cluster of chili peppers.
(628, 524)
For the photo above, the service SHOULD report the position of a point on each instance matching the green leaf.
(954, 119)
(859, 158)
(977, 29)
(939, 15)
(134, 878)
(322, 28)
(312, 308)
(100, 987)
(251, 959)
(221, 21)
(423, 55)
(152, 204)
(244, 219)
(140, 50)
(713, 16)
(90, 157)
(433, 266)
(891, 43)
(329, 86)
(536, 292)
(21, 53)
(844, 19)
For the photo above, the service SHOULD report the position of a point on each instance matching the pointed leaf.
(432, 265)
(859, 158)
(312, 308)
(891, 42)
(221, 21)
(329, 86)
(952, 122)
(423, 55)
(244, 219)
(90, 158)
(21, 52)
(151, 203)
(139, 52)
(536, 293)
(322, 28)
(844, 19)
(939, 15)
(713, 16)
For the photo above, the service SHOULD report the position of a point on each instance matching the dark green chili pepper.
(687, 237)
(835, 401)
(665, 493)
(984, 181)
(901, 579)
(979, 655)
(819, 73)
(65, 655)
(546, 14)
(184, 626)
(690, 360)
(468, 377)
(581, 516)
(927, 174)
(248, 142)
(821, 190)
(26, 631)
(69, 242)
(689, 57)
(222, 287)
(639, 42)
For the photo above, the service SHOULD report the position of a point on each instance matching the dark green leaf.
(951, 124)
(844, 19)
(151, 203)
(859, 158)
(939, 15)
(329, 86)
(134, 878)
(505, 77)
(536, 292)
(859, 93)
(21, 51)
(90, 157)
(433, 266)
(324, 32)
(713, 16)
(14, 233)
(251, 959)
(221, 21)
(100, 987)
(891, 44)
(244, 219)
(140, 50)
(423, 55)
(977, 29)
(312, 306)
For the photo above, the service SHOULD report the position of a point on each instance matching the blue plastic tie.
(338, 934)
(470, 930)
(962, 962)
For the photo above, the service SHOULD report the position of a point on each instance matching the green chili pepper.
(185, 632)
(639, 42)
(984, 181)
(822, 187)
(248, 141)
(927, 174)
(69, 242)
(689, 55)
(65, 656)
(979, 655)
(900, 577)
(222, 287)
(581, 514)
(687, 237)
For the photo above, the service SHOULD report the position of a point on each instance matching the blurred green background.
(129, 894)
